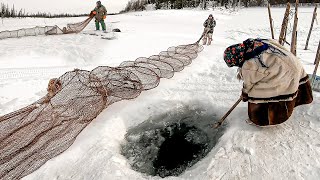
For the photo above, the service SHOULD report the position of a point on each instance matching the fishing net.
(32, 135)
(46, 30)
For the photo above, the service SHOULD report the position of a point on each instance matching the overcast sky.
(65, 6)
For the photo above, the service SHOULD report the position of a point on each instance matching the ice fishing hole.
(169, 144)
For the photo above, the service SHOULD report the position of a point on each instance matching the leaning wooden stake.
(282, 37)
(317, 55)
(317, 65)
(219, 123)
(312, 21)
(2, 17)
(270, 19)
(294, 32)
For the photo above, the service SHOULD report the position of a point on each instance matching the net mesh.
(32, 135)
(46, 30)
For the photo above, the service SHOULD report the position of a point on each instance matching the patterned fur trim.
(288, 97)
(304, 80)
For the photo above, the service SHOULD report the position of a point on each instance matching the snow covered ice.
(288, 151)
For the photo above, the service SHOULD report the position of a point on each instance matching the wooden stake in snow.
(312, 21)
(294, 32)
(317, 60)
(317, 55)
(282, 37)
(2, 17)
(270, 19)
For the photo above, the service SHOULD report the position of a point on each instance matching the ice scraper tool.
(219, 123)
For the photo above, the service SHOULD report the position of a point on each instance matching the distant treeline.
(276, 2)
(140, 5)
(6, 12)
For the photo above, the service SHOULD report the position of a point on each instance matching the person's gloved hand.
(104, 17)
(244, 96)
(92, 13)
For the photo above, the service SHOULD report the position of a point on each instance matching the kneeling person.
(274, 80)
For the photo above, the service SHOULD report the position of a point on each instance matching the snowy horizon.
(60, 6)
(194, 97)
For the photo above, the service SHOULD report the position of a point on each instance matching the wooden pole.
(312, 21)
(294, 32)
(283, 33)
(317, 60)
(317, 55)
(2, 17)
(270, 19)
(295, 43)
(219, 123)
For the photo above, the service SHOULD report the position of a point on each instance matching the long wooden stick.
(317, 55)
(317, 65)
(219, 123)
(311, 27)
(283, 32)
(294, 32)
(270, 19)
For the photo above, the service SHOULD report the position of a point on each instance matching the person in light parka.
(274, 80)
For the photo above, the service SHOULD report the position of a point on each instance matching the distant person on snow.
(209, 24)
(100, 13)
(274, 81)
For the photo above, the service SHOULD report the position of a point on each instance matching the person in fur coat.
(208, 25)
(274, 80)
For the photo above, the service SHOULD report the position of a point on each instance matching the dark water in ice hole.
(170, 143)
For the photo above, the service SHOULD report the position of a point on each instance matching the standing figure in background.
(209, 24)
(100, 13)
